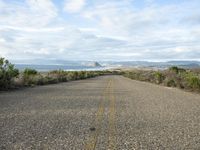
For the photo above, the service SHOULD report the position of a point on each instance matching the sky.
(116, 30)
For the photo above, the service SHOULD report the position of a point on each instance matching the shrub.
(29, 71)
(59, 74)
(193, 81)
(84, 74)
(171, 83)
(176, 69)
(50, 80)
(172, 77)
(75, 75)
(29, 77)
(159, 77)
(7, 74)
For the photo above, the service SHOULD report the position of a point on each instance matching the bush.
(171, 83)
(7, 74)
(159, 77)
(30, 77)
(172, 77)
(29, 71)
(176, 69)
(193, 81)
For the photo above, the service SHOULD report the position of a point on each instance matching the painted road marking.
(91, 145)
(111, 117)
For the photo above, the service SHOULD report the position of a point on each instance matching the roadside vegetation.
(172, 77)
(7, 74)
(10, 77)
(31, 77)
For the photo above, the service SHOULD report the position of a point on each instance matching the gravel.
(64, 116)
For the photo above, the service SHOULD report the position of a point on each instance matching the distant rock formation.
(92, 64)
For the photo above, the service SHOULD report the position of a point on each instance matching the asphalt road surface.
(107, 112)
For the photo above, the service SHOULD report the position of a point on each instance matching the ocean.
(44, 68)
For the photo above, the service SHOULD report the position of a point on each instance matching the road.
(107, 112)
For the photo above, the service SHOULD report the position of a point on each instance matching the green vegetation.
(193, 81)
(11, 78)
(32, 77)
(172, 77)
(7, 74)
(177, 70)
(158, 77)
(29, 71)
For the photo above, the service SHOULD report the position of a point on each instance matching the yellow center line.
(91, 145)
(112, 127)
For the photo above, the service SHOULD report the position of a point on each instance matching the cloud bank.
(100, 29)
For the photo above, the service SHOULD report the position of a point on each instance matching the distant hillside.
(184, 62)
(115, 64)
(159, 65)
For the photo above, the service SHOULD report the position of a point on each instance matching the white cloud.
(102, 30)
(74, 6)
(2, 40)
(32, 13)
(41, 51)
(44, 10)
(180, 49)
(120, 19)
(28, 29)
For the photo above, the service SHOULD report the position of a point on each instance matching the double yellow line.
(112, 113)
(91, 145)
